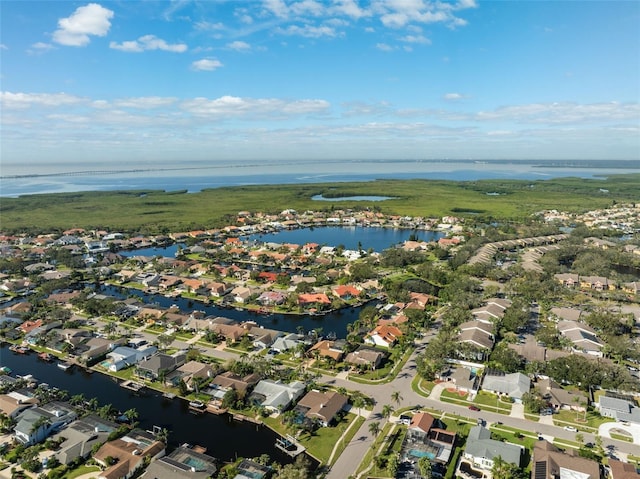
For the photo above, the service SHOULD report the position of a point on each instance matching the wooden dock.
(132, 385)
(289, 446)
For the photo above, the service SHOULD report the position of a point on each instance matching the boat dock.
(168, 395)
(132, 385)
(289, 446)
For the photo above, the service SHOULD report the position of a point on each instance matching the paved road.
(350, 459)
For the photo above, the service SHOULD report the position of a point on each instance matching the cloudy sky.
(234, 80)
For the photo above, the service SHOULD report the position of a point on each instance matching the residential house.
(160, 365)
(464, 379)
(130, 452)
(549, 462)
(559, 398)
(582, 336)
(289, 342)
(328, 349)
(79, 438)
(306, 299)
(321, 406)
(597, 283)
(229, 380)
(478, 334)
(623, 410)
(182, 463)
(13, 403)
(123, 357)
(96, 348)
(385, 335)
(241, 294)
(346, 292)
(569, 280)
(566, 314)
(622, 470)
(514, 385)
(423, 436)
(248, 469)
(191, 373)
(632, 288)
(34, 425)
(276, 396)
(480, 450)
(269, 298)
(365, 357)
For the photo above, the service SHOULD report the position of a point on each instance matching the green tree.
(424, 466)
(374, 428)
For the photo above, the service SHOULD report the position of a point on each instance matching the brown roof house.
(550, 463)
(321, 406)
(129, 453)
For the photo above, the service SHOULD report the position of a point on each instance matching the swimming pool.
(418, 453)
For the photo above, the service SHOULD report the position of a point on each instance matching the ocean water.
(198, 176)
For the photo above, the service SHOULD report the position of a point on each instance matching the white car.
(570, 428)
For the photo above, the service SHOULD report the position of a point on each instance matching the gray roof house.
(619, 409)
(276, 395)
(34, 425)
(514, 385)
(159, 364)
(181, 463)
(481, 450)
(284, 343)
(80, 437)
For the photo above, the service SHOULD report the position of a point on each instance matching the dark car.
(474, 408)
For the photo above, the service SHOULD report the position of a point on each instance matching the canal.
(225, 438)
(334, 323)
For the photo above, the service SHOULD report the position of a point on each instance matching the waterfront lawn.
(321, 442)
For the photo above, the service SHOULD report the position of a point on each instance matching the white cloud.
(308, 31)
(75, 30)
(416, 39)
(26, 100)
(3, 46)
(350, 8)
(208, 26)
(39, 48)
(278, 7)
(206, 64)
(145, 103)
(148, 42)
(239, 46)
(252, 108)
(453, 96)
(311, 7)
(384, 47)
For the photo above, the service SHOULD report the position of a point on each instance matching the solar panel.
(540, 470)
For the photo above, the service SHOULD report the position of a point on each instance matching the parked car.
(474, 408)
(570, 428)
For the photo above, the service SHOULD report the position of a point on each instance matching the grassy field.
(159, 211)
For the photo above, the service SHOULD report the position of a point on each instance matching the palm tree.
(77, 399)
(386, 411)
(358, 401)
(396, 397)
(131, 414)
(374, 428)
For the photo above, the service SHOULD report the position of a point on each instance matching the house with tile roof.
(182, 463)
(385, 335)
(130, 452)
(549, 462)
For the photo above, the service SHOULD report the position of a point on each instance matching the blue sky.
(132, 82)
